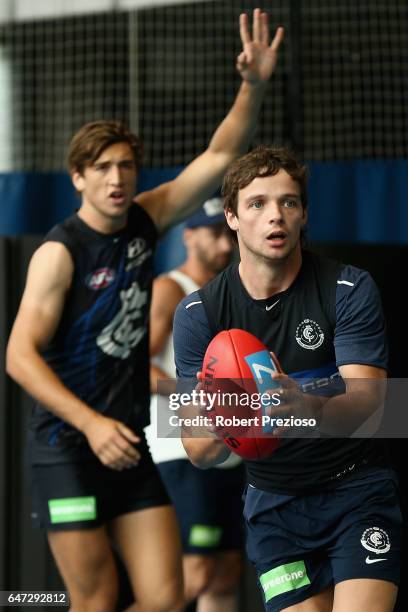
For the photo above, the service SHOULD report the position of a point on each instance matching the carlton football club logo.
(136, 253)
(136, 247)
(309, 334)
(127, 328)
(100, 279)
(376, 540)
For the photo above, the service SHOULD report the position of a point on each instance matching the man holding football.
(322, 514)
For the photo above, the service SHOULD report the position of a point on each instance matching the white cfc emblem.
(309, 334)
(376, 540)
(126, 329)
(136, 253)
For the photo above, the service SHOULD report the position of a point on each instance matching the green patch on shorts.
(205, 536)
(72, 509)
(283, 579)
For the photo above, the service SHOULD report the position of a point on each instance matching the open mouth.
(118, 197)
(276, 237)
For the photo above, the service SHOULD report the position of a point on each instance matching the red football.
(237, 370)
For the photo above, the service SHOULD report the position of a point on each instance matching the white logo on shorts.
(368, 560)
(375, 540)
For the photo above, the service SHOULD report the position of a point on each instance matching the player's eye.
(101, 167)
(290, 203)
(256, 204)
(127, 165)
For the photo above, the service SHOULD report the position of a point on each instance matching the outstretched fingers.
(256, 25)
(277, 39)
(260, 27)
(244, 29)
(258, 60)
(260, 30)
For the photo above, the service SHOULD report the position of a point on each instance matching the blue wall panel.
(355, 202)
(32, 203)
(359, 201)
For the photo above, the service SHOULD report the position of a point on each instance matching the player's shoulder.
(356, 287)
(335, 271)
(191, 333)
(320, 265)
(351, 276)
(53, 250)
(215, 291)
(190, 313)
(356, 292)
(56, 259)
(190, 305)
(141, 221)
(64, 231)
(73, 234)
(223, 277)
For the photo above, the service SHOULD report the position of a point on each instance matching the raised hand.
(258, 58)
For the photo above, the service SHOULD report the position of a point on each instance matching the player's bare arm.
(166, 295)
(365, 393)
(208, 450)
(48, 281)
(172, 202)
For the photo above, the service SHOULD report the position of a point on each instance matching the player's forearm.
(234, 134)
(344, 414)
(201, 444)
(30, 371)
(204, 452)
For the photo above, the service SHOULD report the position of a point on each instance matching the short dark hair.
(262, 161)
(88, 144)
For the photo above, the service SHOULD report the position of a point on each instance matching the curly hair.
(262, 161)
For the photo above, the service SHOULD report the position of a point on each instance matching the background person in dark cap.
(208, 504)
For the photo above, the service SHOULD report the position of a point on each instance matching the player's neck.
(263, 278)
(100, 222)
(196, 272)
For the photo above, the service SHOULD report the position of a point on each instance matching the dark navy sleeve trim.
(191, 336)
(360, 328)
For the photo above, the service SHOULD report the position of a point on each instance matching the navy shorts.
(208, 505)
(88, 494)
(301, 545)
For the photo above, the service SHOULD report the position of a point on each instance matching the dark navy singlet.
(100, 350)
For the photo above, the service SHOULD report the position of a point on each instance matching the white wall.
(6, 10)
(26, 10)
(6, 123)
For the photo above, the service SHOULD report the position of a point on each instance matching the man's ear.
(304, 217)
(78, 181)
(232, 219)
